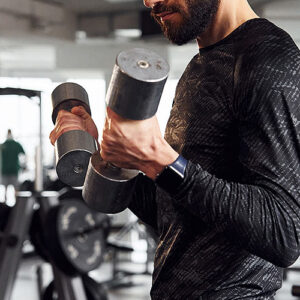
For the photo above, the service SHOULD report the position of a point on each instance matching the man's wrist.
(164, 156)
(172, 175)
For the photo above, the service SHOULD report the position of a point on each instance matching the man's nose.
(151, 3)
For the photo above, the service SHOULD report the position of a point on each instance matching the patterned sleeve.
(261, 212)
(143, 201)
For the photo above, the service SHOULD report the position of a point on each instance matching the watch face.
(170, 179)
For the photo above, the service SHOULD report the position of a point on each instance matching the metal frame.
(17, 228)
(31, 94)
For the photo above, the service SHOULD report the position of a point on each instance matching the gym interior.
(53, 245)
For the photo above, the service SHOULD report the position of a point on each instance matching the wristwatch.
(172, 175)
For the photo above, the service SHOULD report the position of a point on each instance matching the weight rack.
(20, 218)
(13, 237)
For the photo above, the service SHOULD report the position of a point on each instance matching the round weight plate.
(143, 65)
(103, 194)
(66, 96)
(296, 290)
(110, 172)
(37, 237)
(73, 151)
(72, 167)
(137, 83)
(76, 237)
(49, 292)
(93, 289)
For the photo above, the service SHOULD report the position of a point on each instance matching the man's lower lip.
(166, 17)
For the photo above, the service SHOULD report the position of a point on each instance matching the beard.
(200, 14)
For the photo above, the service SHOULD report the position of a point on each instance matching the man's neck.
(231, 14)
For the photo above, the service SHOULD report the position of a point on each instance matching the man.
(232, 220)
(11, 152)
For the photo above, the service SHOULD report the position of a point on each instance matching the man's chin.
(178, 40)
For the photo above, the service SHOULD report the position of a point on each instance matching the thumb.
(81, 112)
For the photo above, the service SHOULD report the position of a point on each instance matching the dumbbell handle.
(68, 105)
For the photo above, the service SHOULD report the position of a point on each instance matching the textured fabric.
(10, 151)
(228, 229)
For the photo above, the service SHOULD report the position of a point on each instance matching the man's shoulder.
(271, 50)
(267, 40)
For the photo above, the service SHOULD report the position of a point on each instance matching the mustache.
(162, 8)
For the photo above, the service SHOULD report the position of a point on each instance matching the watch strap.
(172, 175)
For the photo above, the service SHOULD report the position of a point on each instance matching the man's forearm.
(259, 217)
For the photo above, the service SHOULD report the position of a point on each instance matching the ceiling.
(101, 6)
(63, 38)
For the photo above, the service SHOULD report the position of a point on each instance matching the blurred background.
(46, 42)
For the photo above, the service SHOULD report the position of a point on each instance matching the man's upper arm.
(260, 212)
(269, 117)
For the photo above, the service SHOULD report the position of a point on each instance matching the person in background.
(12, 153)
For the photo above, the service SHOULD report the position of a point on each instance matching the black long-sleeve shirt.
(227, 230)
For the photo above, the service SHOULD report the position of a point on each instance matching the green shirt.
(10, 151)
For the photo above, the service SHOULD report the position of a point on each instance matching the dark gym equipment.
(77, 239)
(4, 215)
(73, 148)
(16, 228)
(65, 233)
(16, 221)
(134, 93)
(102, 193)
(93, 289)
(296, 290)
(122, 277)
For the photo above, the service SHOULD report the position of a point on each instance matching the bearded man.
(222, 188)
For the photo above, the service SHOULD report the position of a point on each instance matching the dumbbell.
(74, 148)
(134, 92)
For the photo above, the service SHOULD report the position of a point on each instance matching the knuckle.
(61, 113)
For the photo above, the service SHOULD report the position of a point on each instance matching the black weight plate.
(49, 292)
(37, 236)
(93, 289)
(4, 214)
(53, 244)
(296, 290)
(80, 240)
(75, 237)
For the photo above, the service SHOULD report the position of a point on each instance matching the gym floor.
(26, 284)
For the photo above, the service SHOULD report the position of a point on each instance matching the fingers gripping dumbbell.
(134, 93)
(73, 148)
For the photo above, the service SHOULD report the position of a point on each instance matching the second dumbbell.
(74, 148)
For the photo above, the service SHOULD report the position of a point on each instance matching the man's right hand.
(77, 119)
